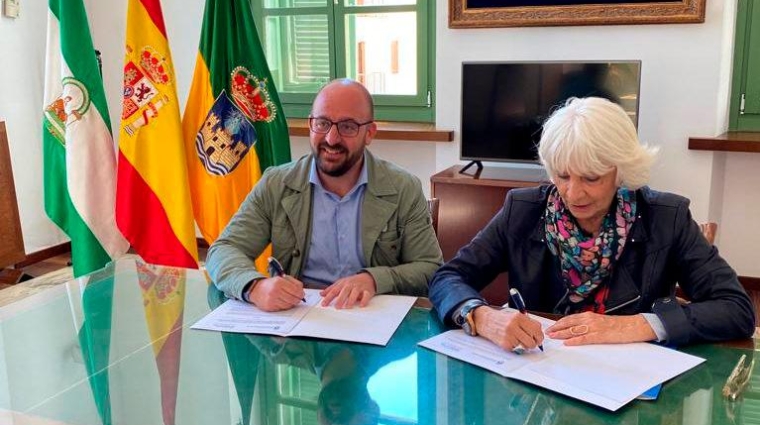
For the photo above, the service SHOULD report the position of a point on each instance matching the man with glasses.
(339, 219)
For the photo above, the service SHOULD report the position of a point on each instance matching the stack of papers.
(373, 324)
(607, 375)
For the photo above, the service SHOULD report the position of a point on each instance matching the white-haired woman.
(596, 246)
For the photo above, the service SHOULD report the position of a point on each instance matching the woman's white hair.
(593, 136)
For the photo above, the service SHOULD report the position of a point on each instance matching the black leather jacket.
(664, 246)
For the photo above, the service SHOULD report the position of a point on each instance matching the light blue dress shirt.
(335, 249)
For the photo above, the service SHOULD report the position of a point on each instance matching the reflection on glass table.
(116, 348)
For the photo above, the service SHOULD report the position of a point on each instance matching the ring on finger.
(579, 330)
(519, 349)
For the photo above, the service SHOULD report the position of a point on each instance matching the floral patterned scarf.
(586, 261)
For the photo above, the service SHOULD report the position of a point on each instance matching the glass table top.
(116, 348)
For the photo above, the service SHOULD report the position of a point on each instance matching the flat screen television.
(505, 104)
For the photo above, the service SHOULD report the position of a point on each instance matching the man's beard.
(337, 169)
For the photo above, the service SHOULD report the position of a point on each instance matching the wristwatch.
(465, 317)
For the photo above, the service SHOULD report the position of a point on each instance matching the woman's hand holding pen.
(277, 293)
(508, 329)
(594, 328)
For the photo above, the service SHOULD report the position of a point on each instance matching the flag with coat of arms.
(233, 123)
(79, 160)
(153, 208)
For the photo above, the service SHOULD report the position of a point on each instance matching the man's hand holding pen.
(278, 292)
(281, 291)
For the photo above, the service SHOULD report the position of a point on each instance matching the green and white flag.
(79, 156)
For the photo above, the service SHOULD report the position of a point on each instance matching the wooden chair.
(433, 207)
(709, 230)
(12, 246)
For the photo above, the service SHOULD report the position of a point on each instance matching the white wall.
(684, 92)
(21, 93)
(739, 230)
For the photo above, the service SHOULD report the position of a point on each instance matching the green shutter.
(306, 47)
(310, 50)
(745, 90)
(752, 77)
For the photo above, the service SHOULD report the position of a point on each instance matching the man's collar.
(314, 175)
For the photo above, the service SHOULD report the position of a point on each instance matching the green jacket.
(398, 241)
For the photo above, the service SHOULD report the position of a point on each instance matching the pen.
(275, 269)
(517, 299)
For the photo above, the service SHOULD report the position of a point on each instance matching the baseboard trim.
(44, 254)
(65, 248)
(748, 282)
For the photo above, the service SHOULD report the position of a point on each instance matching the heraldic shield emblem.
(225, 137)
(143, 82)
(67, 108)
(228, 132)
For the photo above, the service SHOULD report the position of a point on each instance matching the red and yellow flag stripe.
(153, 207)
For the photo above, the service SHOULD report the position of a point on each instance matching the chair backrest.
(433, 207)
(12, 247)
(709, 230)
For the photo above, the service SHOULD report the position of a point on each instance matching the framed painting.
(533, 13)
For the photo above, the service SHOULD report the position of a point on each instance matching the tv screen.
(504, 105)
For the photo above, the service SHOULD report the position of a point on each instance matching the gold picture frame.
(517, 13)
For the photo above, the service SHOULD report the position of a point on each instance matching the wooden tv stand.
(467, 204)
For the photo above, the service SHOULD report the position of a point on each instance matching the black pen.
(275, 269)
(517, 299)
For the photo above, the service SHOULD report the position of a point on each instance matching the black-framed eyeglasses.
(346, 128)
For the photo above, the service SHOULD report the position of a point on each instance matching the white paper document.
(373, 324)
(607, 375)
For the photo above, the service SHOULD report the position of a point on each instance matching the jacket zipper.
(622, 305)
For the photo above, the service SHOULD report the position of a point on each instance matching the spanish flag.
(153, 194)
(234, 125)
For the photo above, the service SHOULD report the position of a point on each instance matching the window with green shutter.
(385, 44)
(745, 87)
